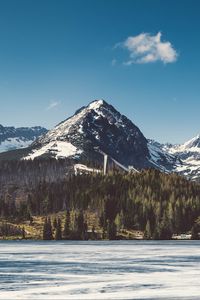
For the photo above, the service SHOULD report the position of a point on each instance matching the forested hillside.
(153, 202)
(32, 172)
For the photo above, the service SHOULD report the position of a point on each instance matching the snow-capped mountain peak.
(97, 126)
(62, 129)
(96, 104)
(189, 155)
(193, 144)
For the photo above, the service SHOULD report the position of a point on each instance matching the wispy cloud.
(53, 104)
(146, 48)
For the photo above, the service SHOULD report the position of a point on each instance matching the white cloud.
(53, 104)
(146, 48)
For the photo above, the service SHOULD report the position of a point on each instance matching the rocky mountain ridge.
(99, 128)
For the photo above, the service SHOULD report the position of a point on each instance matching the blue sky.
(56, 56)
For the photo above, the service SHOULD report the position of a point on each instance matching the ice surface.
(100, 270)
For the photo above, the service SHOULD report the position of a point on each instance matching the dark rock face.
(109, 131)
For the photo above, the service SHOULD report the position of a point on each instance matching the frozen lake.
(100, 270)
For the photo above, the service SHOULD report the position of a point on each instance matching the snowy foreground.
(100, 270)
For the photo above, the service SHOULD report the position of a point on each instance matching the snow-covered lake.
(100, 270)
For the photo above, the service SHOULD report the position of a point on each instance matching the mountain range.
(99, 129)
(12, 138)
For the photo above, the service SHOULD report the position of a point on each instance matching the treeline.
(31, 172)
(74, 228)
(151, 201)
(7, 229)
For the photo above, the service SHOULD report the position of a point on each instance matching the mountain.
(16, 138)
(162, 158)
(96, 128)
(189, 155)
(99, 128)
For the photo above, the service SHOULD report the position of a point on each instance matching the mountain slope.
(189, 155)
(99, 128)
(92, 129)
(162, 158)
(16, 138)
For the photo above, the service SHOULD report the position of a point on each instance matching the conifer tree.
(195, 232)
(163, 229)
(103, 224)
(55, 223)
(81, 226)
(111, 230)
(58, 235)
(94, 236)
(23, 233)
(66, 231)
(47, 229)
(147, 232)
(104, 232)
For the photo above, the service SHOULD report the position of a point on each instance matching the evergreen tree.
(23, 233)
(55, 223)
(47, 229)
(104, 232)
(66, 231)
(94, 236)
(147, 232)
(119, 221)
(195, 232)
(163, 230)
(81, 226)
(103, 224)
(111, 231)
(30, 218)
(58, 235)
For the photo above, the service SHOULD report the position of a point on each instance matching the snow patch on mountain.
(57, 149)
(161, 158)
